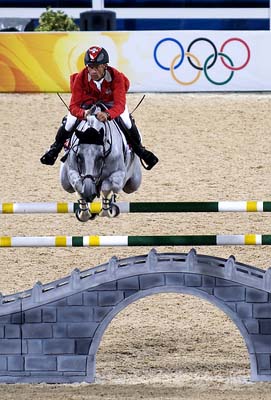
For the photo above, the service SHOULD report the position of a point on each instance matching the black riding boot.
(51, 155)
(135, 140)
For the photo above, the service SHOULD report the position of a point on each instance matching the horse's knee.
(131, 185)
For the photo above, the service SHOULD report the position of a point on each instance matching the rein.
(107, 139)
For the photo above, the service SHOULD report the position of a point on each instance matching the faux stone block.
(192, 280)
(45, 363)
(244, 310)
(265, 326)
(128, 283)
(59, 330)
(12, 331)
(263, 361)
(252, 325)
(82, 346)
(90, 298)
(82, 330)
(174, 279)
(75, 300)
(10, 346)
(230, 293)
(15, 363)
(262, 310)
(33, 315)
(151, 280)
(72, 363)
(36, 331)
(49, 314)
(58, 346)
(34, 346)
(3, 363)
(110, 298)
(100, 313)
(74, 314)
(256, 296)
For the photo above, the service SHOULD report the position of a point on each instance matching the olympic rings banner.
(154, 61)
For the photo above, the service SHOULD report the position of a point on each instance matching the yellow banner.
(44, 61)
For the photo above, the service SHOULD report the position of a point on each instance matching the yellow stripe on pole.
(7, 208)
(94, 240)
(5, 241)
(251, 206)
(95, 207)
(250, 239)
(62, 208)
(61, 241)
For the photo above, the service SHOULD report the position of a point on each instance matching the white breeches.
(72, 119)
(126, 118)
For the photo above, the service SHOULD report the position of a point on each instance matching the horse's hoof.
(113, 211)
(84, 216)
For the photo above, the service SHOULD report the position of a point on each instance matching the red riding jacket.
(85, 92)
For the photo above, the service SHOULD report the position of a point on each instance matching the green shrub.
(56, 21)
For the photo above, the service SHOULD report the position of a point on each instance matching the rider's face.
(96, 71)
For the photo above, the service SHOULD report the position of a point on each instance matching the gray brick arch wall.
(52, 332)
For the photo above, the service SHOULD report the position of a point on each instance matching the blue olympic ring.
(170, 40)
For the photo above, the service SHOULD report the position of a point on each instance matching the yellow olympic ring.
(173, 73)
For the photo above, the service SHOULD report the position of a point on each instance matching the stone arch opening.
(190, 353)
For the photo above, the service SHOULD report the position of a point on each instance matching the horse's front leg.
(109, 189)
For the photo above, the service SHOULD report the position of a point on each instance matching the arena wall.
(155, 61)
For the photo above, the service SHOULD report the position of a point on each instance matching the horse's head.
(90, 161)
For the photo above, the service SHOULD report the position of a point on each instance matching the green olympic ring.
(206, 66)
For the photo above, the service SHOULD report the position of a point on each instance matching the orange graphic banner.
(44, 61)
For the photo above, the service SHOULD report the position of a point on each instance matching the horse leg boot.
(134, 139)
(51, 155)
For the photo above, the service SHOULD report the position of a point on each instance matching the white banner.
(194, 61)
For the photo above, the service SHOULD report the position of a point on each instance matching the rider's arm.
(120, 86)
(78, 95)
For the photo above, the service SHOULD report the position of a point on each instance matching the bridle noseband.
(107, 139)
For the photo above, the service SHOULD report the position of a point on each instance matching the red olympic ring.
(248, 54)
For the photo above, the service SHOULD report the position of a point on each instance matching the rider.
(99, 82)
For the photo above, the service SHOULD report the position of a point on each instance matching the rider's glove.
(87, 112)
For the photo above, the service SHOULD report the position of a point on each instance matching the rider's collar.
(99, 83)
(107, 76)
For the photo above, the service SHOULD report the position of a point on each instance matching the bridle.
(107, 148)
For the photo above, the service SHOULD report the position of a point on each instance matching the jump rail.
(96, 241)
(138, 207)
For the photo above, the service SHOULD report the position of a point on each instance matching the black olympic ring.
(214, 48)
(212, 58)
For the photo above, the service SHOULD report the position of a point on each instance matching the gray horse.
(99, 163)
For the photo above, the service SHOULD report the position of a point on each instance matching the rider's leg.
(134, 138)
(64, 132)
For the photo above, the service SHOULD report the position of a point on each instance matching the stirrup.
(149, 159)
(49, 158)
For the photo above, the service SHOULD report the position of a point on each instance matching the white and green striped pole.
(96, 241)
(139, 207)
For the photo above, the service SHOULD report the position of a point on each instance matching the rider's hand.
(87, 112)
(103, 116)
